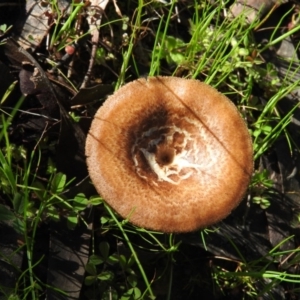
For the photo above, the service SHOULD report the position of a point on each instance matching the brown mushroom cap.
(170, 154)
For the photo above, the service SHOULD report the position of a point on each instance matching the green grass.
(222, 52)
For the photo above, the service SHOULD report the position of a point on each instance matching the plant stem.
(131, 249)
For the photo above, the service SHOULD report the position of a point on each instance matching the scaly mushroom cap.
(169, 154)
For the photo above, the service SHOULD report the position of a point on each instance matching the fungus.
(169, 154)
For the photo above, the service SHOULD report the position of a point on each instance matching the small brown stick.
(94, 19)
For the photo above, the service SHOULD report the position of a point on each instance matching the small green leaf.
(104, 220)
(128, 294)
(122, 261)
(243, 52)
(58, 183)
(137, 293)
(91, 269)
(52, 213)
(132, 280)
(113, 259)
(80, 202)
(263, 202)
(8, 92)
(3, 27)
(131, 261)
(100, 56)
(38, 287)
(30, 210)
(130, 271)
(106, 275)
(89, 280)
(177, 58)
(72, 220)
(257, 132)
(95, 200)
(104, 250)
(96, 260)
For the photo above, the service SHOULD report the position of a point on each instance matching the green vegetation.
(193, 39)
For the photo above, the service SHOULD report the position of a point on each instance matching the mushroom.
(170, 154)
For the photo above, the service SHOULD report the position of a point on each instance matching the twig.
(94, 20)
